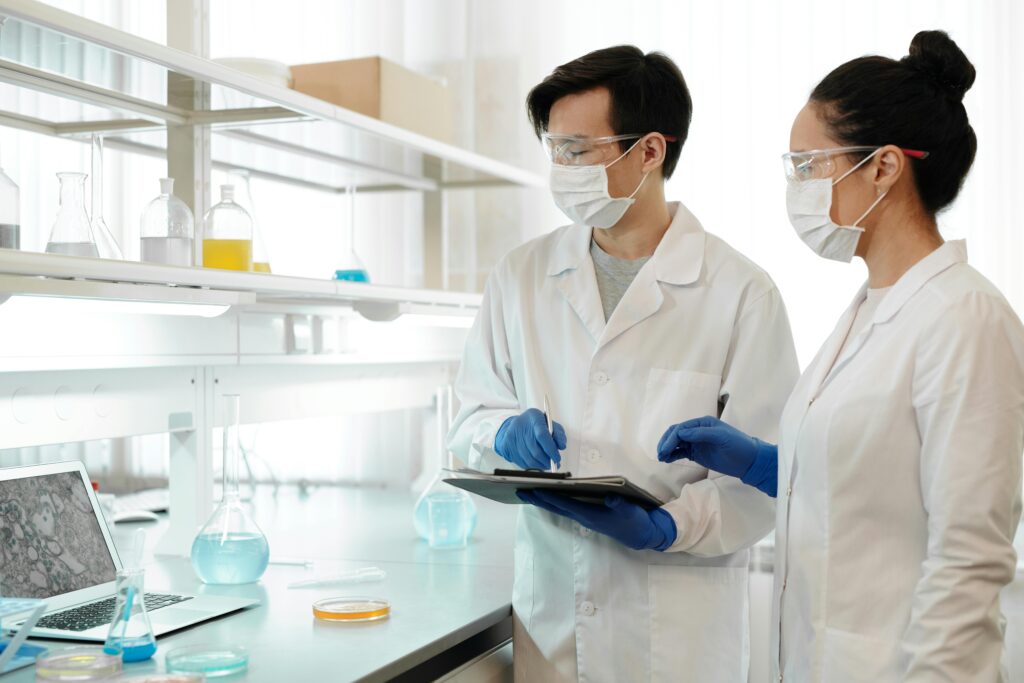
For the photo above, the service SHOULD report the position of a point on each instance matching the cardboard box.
(384, 90)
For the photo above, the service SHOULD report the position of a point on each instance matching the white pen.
(551, 431)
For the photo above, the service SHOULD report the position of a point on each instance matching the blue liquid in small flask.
(131, 634)
(230, 548)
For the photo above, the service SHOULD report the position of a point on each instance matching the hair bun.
(935, 55)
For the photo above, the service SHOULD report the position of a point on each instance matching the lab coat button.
(593, 455)
(601, 378)
(587, 609)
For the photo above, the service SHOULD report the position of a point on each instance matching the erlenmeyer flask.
(106, 245)
(227, 238)
(131, 634)
(71, 234)
(239, 177)
(444, 516)
(350, 267)
(230, 548)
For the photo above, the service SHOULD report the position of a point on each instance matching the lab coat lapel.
(573, 270)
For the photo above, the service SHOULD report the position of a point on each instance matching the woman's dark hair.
(915, 103)
(648, 95)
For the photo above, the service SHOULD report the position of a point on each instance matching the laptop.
(55, 545)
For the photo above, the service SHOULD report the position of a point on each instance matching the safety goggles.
(820, 163)
(575, 150)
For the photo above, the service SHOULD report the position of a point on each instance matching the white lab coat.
(700, 326)
(899, 487)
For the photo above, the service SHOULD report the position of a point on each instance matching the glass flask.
(239, 177)
(168, 229)
(10, 216)
(131, 634)
(227, 240)
(230, 548)
(71, 234)
(351, 267)
(106, 245)
(444, 516)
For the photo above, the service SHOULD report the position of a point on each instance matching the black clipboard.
(503, 484)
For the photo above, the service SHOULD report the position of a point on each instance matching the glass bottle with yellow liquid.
(239, 177)
(227, 239)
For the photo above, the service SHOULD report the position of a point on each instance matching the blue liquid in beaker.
(230, 558)
(355, 275)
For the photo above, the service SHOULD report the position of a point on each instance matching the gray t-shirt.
(614, 275)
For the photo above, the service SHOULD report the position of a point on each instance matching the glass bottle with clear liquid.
(239, 177)
(72, 234)
(168, 229)
(444, 516)
(230, 548)
(351, 267)
(131, 634)
(106, 244)
(10, 216)
(227, 240)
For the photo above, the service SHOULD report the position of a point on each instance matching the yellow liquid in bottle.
(227, 254)
(260, 267)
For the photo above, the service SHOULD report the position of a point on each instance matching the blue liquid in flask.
(230, 558)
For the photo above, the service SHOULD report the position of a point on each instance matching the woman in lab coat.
(899, 458)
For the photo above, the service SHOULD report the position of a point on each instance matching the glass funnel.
(444, 516)
(227, 240)
(131, 634)
(351, 267)
(106, 244)
(230, 548)
(239, 177)
(71, 234)
(10, 218)
(168, 229)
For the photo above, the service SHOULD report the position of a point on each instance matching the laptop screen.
(50, 539)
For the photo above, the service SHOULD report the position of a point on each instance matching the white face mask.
(809, 204)
(581, 192)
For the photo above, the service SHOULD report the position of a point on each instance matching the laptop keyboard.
(101, 612)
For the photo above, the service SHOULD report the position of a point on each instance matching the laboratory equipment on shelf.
(106, 244)
(227, 236)
(444, 516)
(352, 609)
(350, 267)
(131, 634)
(78, 664)
(212, 661)
(10, 214)
(230, 548)
(168, 229)
(239, 178)
(72, 234)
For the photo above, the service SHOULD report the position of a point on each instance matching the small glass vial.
(227, 241)
(168, 229)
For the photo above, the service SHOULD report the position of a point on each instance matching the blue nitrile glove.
(524, 440)
(713, 444)
(628, 523)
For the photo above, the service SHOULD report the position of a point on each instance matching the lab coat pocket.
(855, 658)
(699, 623)
(671, 397)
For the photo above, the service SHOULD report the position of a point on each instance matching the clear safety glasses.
(820, 163)
(575, 150)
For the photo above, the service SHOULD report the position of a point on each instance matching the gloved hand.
(628, 523)
(524, 440)
(713, 444)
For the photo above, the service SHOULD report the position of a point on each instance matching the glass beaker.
(227, 240)
(350, 267)
(106, 244)
(230, 548)
(10, 215)
(239, 177)
(131, 634)
(444, 516)
(168, 229)
(71, 234)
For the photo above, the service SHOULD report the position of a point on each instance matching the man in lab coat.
(630, 320)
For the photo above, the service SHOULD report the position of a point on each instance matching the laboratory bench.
(449, 608)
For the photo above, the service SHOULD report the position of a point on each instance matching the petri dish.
(77, 664)
(352, 609)
(213, 661)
